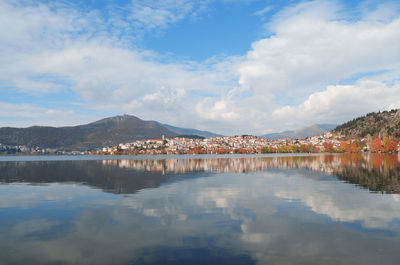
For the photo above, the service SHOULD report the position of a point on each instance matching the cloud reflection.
(286, 211)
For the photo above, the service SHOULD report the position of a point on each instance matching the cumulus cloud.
(314, 46)
(343, 102)
(311, 48)
(101, 70)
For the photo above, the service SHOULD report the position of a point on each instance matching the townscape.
(244, 144)
(247, 144)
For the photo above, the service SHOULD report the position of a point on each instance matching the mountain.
(279, 135)
(301, 133)
(386, 123)
(186, 131)
(105, 132)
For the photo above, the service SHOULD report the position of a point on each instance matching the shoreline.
(28, 158)
(16, 158)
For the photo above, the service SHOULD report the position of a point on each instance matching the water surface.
(325, 209)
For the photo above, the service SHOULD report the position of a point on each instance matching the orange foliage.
(197, 150)
(328, 147)
(221, 151)
(352, 148)
(391, 146)
(242, 151)
(376, 145)
(348, 147)
(343, 146)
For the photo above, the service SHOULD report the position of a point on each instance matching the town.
(247, 144)
(244, 144)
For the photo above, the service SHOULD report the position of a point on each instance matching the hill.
(301, 133)
(105, 132)
(381, 124)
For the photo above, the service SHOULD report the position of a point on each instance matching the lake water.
(320, 209)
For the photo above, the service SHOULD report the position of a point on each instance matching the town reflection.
(377, 172)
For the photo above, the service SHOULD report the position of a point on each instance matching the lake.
(317, 209)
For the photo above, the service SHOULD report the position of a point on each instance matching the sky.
(227, 66)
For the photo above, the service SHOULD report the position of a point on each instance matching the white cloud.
(215, 110)
(150, 15)
(382, 12)
(343, 102)
(263, 11)
(313, 47)
(23, 115)
(108, 75)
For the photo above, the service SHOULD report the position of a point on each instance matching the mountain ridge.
(301, 133)
(104, 132)
(188, 131)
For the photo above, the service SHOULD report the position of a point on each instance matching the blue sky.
(229, 66)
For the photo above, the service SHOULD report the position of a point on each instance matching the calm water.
(328, 209)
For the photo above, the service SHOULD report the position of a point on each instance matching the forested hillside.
(374, 124)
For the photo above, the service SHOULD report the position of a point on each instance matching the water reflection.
(109, 178)
(278, 210)
(377, 172)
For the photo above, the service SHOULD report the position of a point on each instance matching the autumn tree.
(267, 149)
(307, 148)
(197, 150)
(352, 148)
(343, 146)
(328, 147)
(296, 148)
(376, 145)
(385, 142)
(391, 146)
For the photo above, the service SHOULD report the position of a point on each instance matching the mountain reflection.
(377, 172)
(92, 173)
